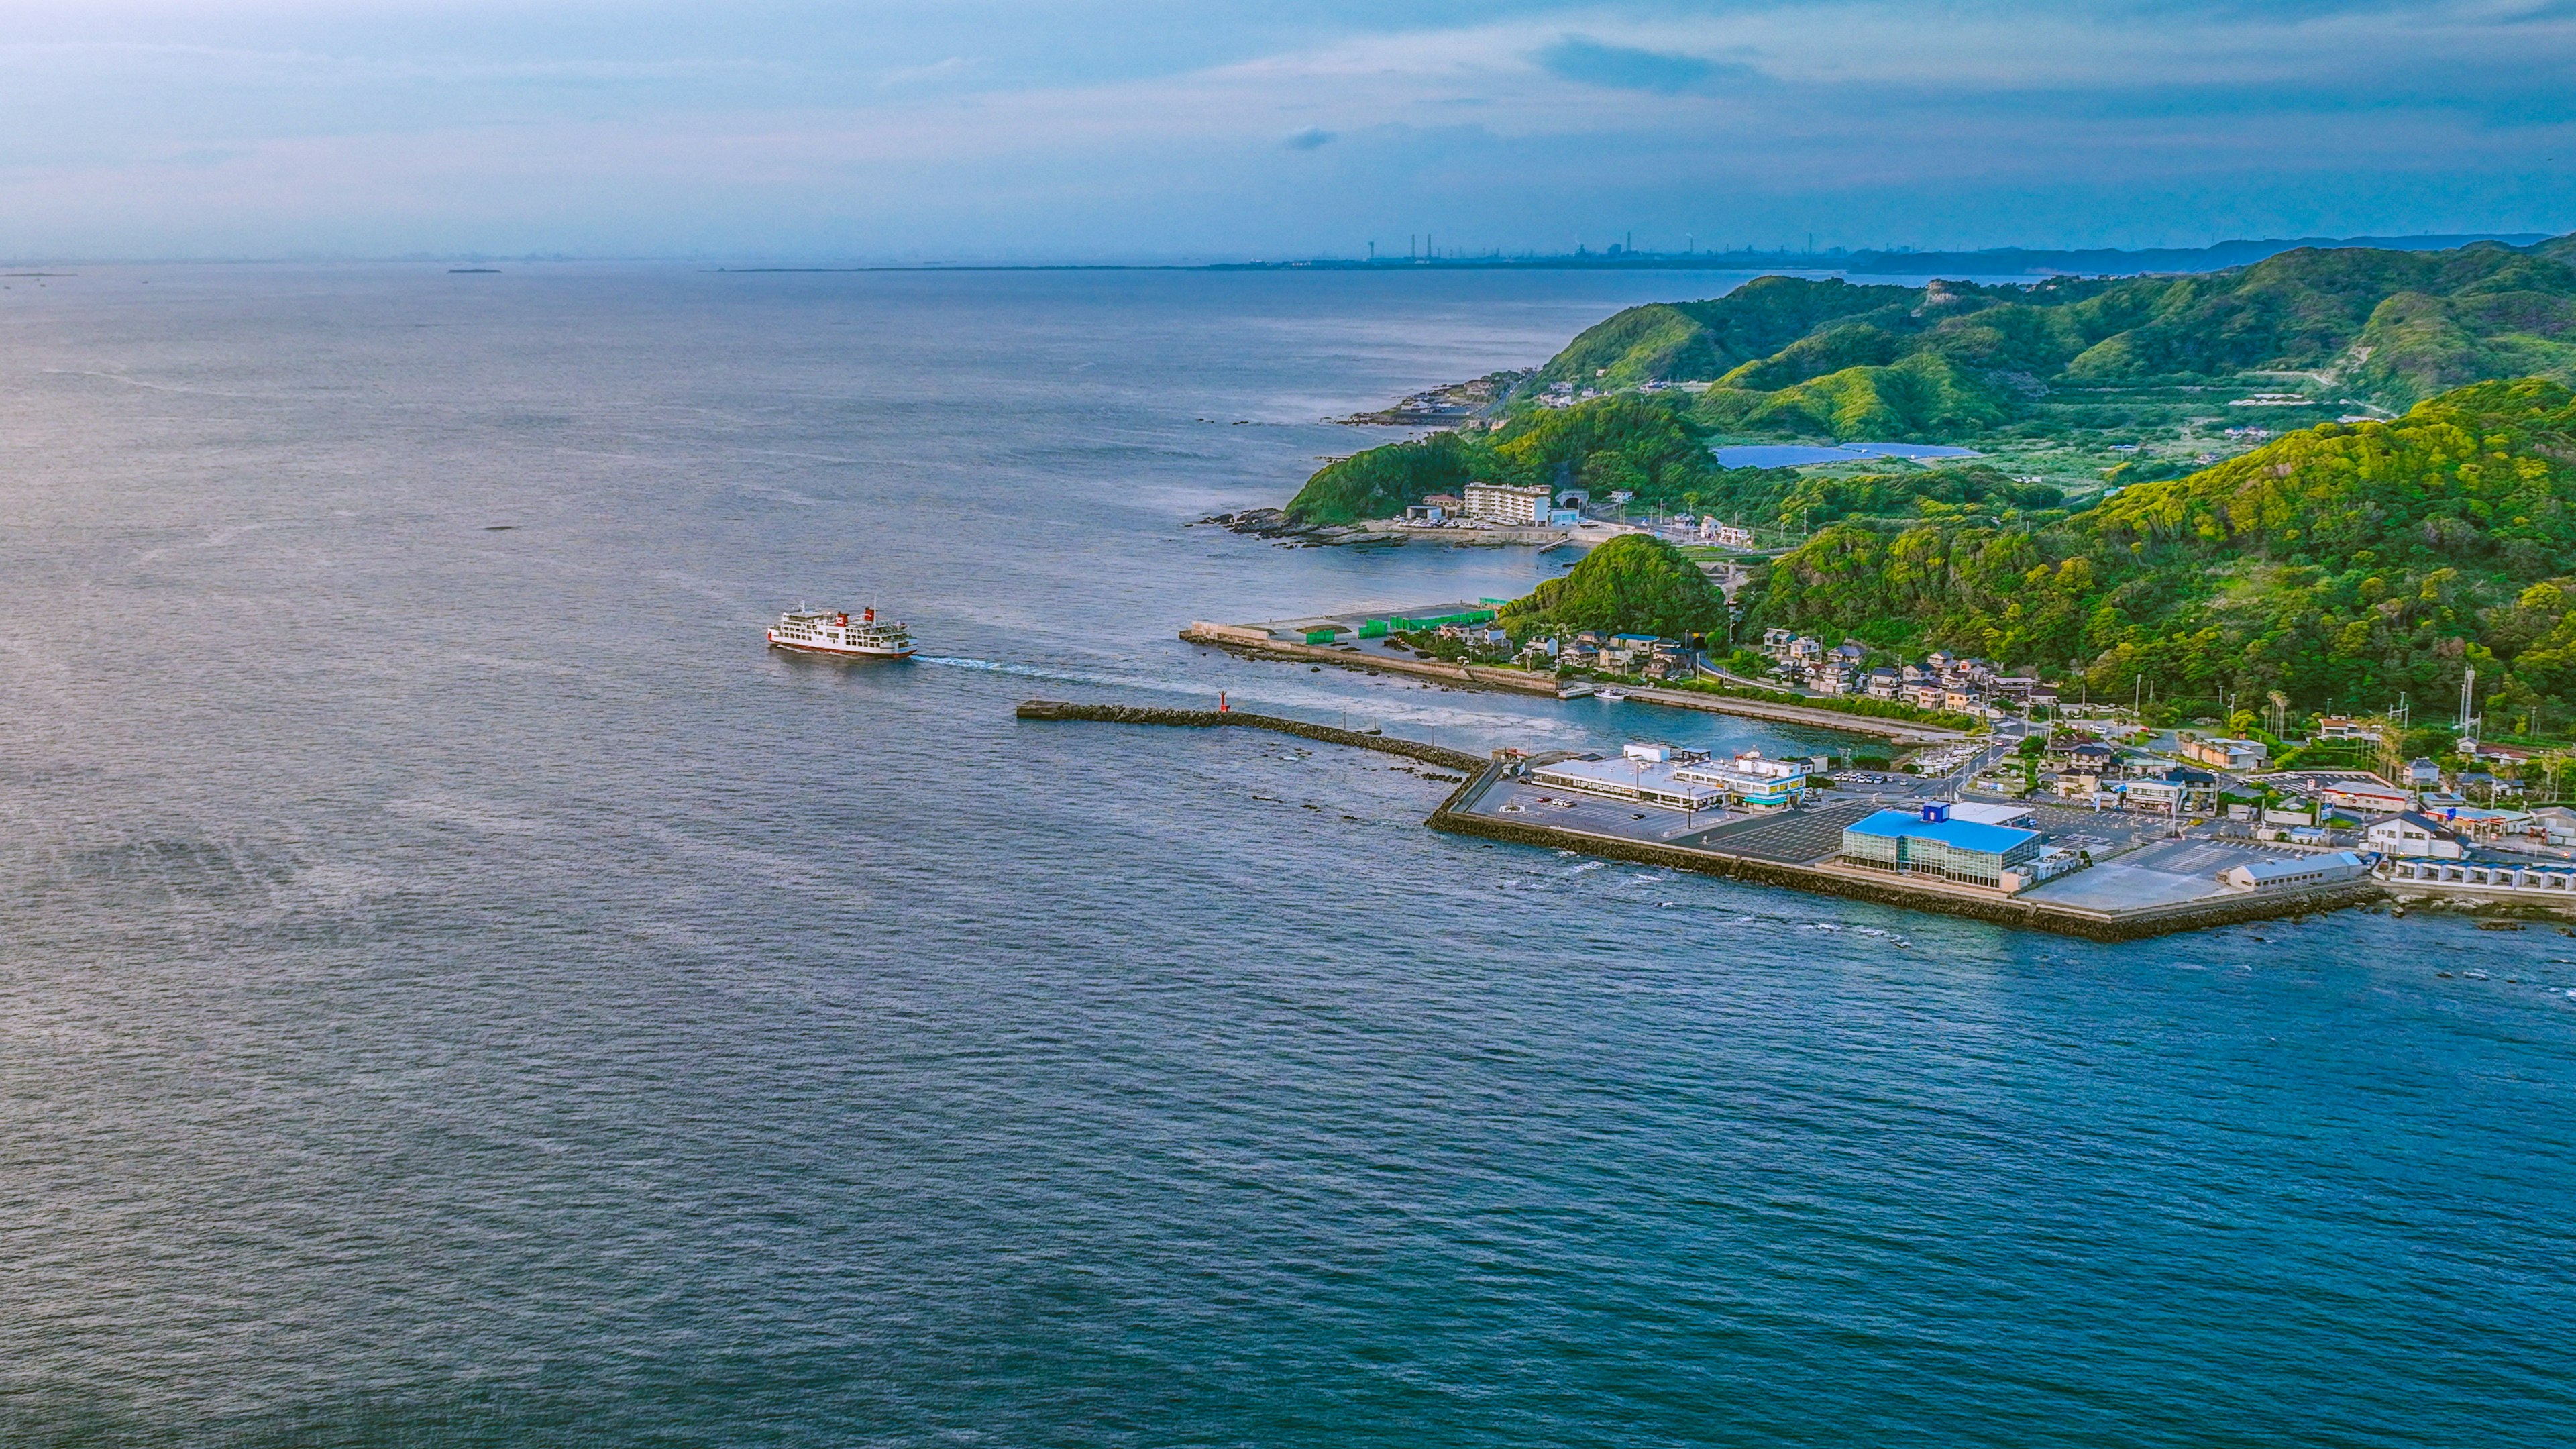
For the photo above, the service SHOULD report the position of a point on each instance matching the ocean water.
(457, 987)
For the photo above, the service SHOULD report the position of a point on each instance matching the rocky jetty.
(1271, 523)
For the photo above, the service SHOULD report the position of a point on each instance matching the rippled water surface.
(456, 987)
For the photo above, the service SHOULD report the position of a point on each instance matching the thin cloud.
(1626, 68)
(1747, 121)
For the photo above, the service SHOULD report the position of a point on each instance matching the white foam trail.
(1030, 671)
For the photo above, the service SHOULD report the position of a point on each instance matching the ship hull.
(837, 651)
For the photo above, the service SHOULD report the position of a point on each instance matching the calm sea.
(456, 987)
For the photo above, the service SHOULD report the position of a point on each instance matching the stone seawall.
(1057, 709)
(2028, 915)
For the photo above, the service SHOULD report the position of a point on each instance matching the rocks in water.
(1265, 521)
(1273, 523)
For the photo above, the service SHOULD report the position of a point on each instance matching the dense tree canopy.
(1383, 482)
(1645, 446)
(1957, 360)
(2340, 565)
(1632, 584)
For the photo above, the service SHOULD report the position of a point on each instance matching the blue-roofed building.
(1931, 843)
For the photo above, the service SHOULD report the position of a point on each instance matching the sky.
(1148, 130)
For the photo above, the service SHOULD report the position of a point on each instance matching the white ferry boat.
(833, 631)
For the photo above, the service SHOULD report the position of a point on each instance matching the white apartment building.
(1504, 503)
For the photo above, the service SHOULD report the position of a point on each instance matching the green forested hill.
(1637, 443)
(2338, 565)
(1633, 582)
(1699, 340)
(1956, 361)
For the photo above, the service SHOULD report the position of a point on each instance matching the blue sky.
(1151, 129)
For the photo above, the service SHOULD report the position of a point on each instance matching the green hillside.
(1682, 340)
(1923, 396)
(2338, 565)
(2062, 374)
(1383, 482)
(1955, 361)
(1633, 583)
(1647, 446)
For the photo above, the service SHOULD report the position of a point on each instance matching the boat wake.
(1031, 671)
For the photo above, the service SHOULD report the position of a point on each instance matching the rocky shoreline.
(1274, 524)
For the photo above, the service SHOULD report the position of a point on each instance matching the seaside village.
(2090, 814)
(2069, 802)
(1939, 681)
(1486, 507)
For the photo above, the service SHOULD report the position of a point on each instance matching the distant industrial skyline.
(1155, 130)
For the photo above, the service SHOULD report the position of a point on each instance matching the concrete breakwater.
(1057, 709)
(1453, 818)
(1254, 644)
(1456, 816)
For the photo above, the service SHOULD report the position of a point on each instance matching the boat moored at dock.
(835, 632)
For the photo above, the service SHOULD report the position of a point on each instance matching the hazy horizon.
(1144, 130)
(921, 260)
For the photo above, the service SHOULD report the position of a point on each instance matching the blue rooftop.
(1958, 834)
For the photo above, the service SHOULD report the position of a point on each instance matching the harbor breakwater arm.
(1255, 644)
(1457, 815)
(1058, 709)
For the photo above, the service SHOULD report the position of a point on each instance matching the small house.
(2414, 835)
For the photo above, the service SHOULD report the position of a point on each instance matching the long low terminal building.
(2325, 868)
(1681, 779)
(1643, 774)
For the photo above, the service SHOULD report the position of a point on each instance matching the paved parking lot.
(2099, 831)
(1792, 837)
(2137, 867)
(1528, 804)
(2162, 874)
